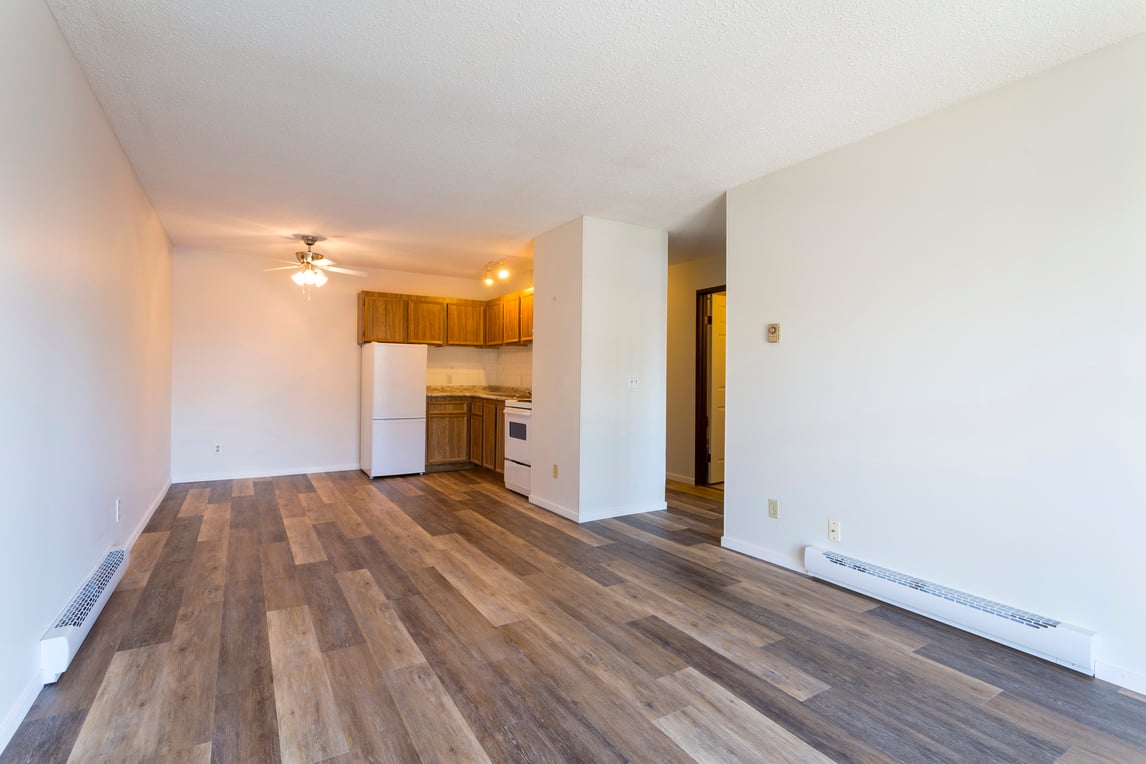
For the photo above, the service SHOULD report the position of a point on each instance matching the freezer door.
(397, 446)
(397, 381)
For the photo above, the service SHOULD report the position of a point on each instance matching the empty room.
(834, 314)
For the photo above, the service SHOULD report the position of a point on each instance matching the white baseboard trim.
(19, 709)
(791, 562)
(632, 509)
(1135, 681)
(554, 507)
(688, 479)
(597, 514)
(130, 541)
(244, 474)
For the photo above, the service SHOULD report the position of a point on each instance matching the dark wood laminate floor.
(440, 618)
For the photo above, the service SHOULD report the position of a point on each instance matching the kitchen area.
(446, 385)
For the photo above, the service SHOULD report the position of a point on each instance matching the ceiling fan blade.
(283, 268)
(347, 271)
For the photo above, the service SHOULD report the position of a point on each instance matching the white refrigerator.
(393, 434)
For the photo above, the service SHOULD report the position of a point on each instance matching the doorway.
(711, 338)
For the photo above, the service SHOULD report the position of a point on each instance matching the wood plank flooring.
(330, 618)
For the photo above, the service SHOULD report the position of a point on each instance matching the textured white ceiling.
(435, 135)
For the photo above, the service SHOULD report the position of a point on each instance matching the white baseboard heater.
(1068, 645)
(61, 642)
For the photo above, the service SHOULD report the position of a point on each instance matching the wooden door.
(716, 412)
(465, 323)
(494, 322)
(381, 317)
(499, 457)
(511, 321)
(527, 317)
(427, 323)
(477, 433)
(489, 434)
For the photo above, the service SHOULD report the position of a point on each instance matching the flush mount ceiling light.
(495, 267)
(310, 267)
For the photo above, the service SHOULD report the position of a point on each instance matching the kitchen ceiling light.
(495, 267)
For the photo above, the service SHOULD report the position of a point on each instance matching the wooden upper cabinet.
(465, 322)
(381, 317)
(427, 321)
(390, 317)
(527, 317)
(494, 323)
(511, 321)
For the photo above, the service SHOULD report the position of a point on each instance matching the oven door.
(517, 424)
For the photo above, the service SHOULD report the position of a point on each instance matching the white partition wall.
(599, 369)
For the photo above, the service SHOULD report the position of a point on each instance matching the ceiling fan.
(311, 267)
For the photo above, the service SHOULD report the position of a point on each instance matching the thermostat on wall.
(773, 333)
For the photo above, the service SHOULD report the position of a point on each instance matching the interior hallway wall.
(684, 279)
(960, 374)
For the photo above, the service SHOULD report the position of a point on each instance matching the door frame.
(700, 468)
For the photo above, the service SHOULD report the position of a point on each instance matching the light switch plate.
(773, 333)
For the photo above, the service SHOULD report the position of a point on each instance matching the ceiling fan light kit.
(311, 267)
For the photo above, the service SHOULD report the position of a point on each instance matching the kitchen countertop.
(476, 391)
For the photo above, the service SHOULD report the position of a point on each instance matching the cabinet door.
(494, 323)
(465, 323)
(500, 458)
(476, 436)
(511, 323)
(446, 439)
(490, 426)
(446, 435)
(427, 322)
(527, 317)
(381, 317)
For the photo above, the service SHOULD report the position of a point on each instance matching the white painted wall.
(556, 433)
(623, 306)
(684, 279)
(85, 387)
(599, 311)
(270, 377)
(961, 372)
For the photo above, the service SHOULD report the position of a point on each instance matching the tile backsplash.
(505, 367)
(515, 366)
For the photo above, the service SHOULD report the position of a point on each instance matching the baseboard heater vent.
(1068, 645)
(61, 643)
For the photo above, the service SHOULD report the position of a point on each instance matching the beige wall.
(684, 279)
(271, 377)
(961, 371)
(85, 388)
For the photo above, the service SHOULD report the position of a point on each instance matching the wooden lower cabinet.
(447, 432)
(463, 432)
(476, 431)
(487, 434)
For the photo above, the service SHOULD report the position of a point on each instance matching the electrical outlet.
(833, 530)
(117, 510)
(634, 382)
(554, 470)
(774, 509)
(218, 448)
